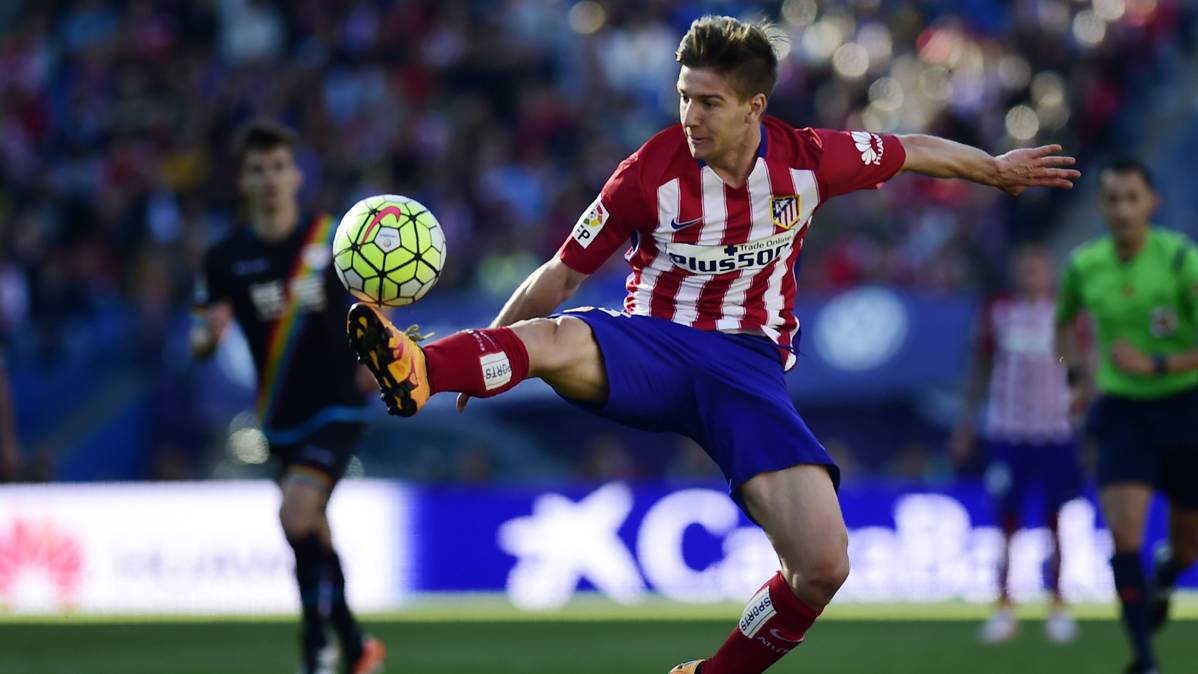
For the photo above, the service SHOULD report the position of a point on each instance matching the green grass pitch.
(460, 639)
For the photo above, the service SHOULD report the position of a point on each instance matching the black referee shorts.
(1150, 441)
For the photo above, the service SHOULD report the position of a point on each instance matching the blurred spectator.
(112, 115)
(475, 465)
(690, 463)
(606, 458)
(915, 462)
(842, 453)
(10, 448)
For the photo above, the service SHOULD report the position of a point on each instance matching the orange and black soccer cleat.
(393, 357)
(371, 660)
(691, 667)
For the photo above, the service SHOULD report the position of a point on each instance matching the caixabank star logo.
(41, 566)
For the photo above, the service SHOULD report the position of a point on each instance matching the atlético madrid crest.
(785, 210)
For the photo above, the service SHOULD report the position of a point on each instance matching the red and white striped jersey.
(1029, 398)
(716, 257)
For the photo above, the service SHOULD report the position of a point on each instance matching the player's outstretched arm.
(1012, 172)
(543, 291)
(210, 326)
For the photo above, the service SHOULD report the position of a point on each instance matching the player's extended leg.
(1007, 479)
(319, 575)
(562, 351)
(481, 363)
(1060, 626)
(798, 509)
(1125, 506)
(1053, 519)
(1002, 625)
(1009, 522)
(1061, 475)
(306, 531)
(1172, 559)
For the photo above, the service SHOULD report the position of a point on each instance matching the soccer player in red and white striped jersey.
(714, 211)
(1030, 443)
(718, 256)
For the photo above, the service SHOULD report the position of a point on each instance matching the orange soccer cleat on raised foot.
(394, 358)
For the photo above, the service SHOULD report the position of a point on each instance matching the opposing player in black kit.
(274, 277)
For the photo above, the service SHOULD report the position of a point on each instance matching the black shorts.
(327, 450)
(1150, 441)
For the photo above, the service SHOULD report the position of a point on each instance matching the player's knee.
(819, 573)
(1125, 534)
(553, 343)
(819, 580)
(297, 521)
(827, 574)
(539, 336)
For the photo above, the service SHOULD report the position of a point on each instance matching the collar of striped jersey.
(760, 147)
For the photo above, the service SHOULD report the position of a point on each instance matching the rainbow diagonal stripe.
(286, 329)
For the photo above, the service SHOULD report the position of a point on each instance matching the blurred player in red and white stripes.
(1029, 441)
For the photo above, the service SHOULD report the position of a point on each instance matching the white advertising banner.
(216, 547)
(187, 547)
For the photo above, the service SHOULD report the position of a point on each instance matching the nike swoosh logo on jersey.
(679, 225)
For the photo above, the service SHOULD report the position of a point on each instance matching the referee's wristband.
(1160, 363)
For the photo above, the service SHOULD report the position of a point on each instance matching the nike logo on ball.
(679, 225)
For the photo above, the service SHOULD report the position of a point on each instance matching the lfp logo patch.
(785, 210)
(590, 224)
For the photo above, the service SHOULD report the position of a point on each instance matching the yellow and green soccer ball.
(389, 250)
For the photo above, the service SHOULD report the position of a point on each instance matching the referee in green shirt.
(1140, 287)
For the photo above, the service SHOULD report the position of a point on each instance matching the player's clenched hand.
(462, 400)
(1130, 359)
(1020, 169)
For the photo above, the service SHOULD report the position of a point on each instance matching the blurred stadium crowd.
(505, 117)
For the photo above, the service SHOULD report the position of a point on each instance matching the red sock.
(482, 363)
(773, 623)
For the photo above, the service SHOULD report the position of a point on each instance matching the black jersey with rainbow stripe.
(289, 303)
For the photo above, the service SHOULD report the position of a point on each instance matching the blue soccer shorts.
(725, 391)
(1017, 469)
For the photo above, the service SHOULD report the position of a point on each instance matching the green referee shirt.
(1149, 301)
